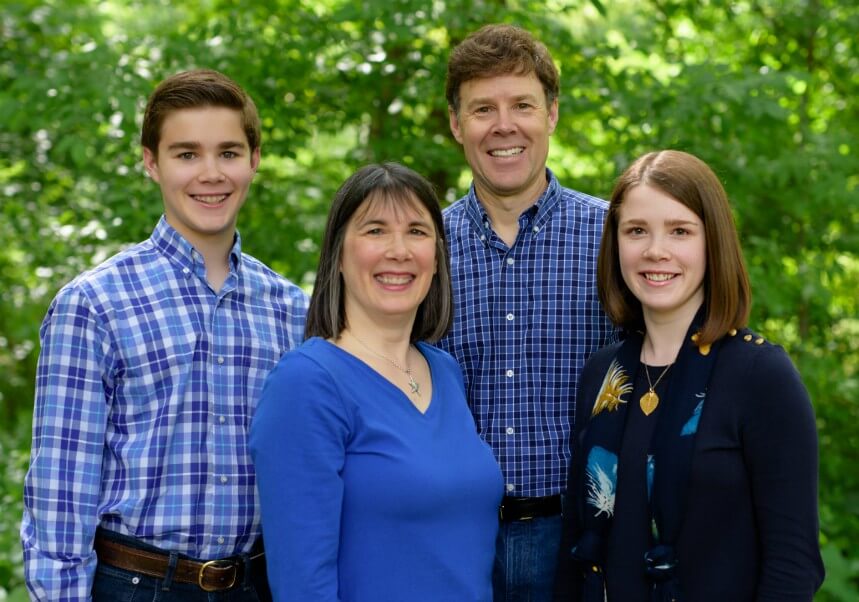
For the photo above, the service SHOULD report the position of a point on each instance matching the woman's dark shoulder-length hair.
(687, 179)
(387, 183)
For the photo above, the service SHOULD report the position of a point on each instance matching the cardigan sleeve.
(298, 442)
(568, 578)
(779, 438)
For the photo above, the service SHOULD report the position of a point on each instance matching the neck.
(664, 336)
(217, 261)
(391, 342)
(504, 211)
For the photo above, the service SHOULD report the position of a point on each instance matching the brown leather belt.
(525, 508)
(211, 576)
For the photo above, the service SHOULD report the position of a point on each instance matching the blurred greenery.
(763, 90)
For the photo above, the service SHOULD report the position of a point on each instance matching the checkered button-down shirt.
(526, 319)
(146, 385)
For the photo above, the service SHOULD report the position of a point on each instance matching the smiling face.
(388, 260)
(204, 167)
(662, 254)
(504, 126)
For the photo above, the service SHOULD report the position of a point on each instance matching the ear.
(553, 116)
(150, 163)
(454, 124)
(255, 157)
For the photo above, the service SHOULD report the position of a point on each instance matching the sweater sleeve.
(780, 450)
(298, 442)
(568, 579)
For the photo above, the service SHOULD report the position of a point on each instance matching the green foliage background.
(763, 90)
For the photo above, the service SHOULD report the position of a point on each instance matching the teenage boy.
(151, 363)
(523, 255)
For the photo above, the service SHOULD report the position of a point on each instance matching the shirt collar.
(177, 249)
(539, 213)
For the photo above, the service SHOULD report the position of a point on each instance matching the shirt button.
(509, 317)
(511, 487)
(186, 271)
(135, 580)
(509, 373)
(221, 419)
(220, 360)
(510, 430)
(483, 238)
(220, 540)
(510, 261)
(535, 229)
(224, 479)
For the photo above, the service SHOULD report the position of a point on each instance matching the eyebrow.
(383, 222)
(487, 100)
(669, 222)
(192, 145)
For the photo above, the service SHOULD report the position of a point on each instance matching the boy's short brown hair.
(195, 89)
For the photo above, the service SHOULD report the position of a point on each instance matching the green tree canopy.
(763, 90)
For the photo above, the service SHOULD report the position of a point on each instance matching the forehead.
(203, 125)
(648, 202)
(397, 206)
(501, 86)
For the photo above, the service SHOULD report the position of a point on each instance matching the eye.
(186, 156)
(635, 231)
(524, 106)
(230, 154)
(482, 110)
(419, 232)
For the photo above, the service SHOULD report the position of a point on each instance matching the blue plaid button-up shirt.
(526, 319)
(146, 385)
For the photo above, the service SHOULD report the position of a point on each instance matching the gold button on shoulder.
(748, 337)
(759, 341)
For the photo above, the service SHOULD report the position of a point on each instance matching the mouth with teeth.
(210, 199)
(394, 279)
(507, 152)
(658, 277)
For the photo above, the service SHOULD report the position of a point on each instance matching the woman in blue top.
(374, 484)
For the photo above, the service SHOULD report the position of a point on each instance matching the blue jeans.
(526, 559)
(113, 584)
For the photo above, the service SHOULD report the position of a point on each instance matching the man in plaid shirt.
(150, 367)
(523, 255)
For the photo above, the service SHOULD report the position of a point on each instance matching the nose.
(504, 121)
(398, 248)
(210, 171)
(656, 249)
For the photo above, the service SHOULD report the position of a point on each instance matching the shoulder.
(455, 215)
(745, 347)
(261, 275)
(104, 284)
(760, 373)
(437, 356)
(584, 201)
(311, 359)
(580, 213)
(602, 357)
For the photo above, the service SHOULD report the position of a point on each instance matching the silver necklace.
(650, 400)
(413, 384)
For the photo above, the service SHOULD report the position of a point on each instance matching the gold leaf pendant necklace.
(650, 400)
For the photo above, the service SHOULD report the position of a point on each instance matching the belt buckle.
(214, 563)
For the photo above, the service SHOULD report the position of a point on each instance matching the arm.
(568, 580)
(62, 486)
(298, 442)
(780, 450)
